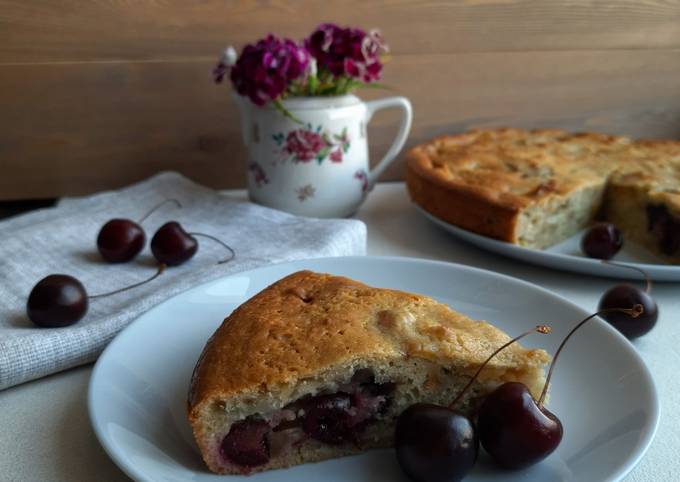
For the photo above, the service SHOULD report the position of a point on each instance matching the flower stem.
(313, 85)
(285, 112)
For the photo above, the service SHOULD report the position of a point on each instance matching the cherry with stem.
(518, 431)
(172, 245)
(120, 240)
(60, 300)
(232, 253)
(435, 443)
(625, 294)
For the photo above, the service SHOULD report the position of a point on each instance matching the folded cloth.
(62, 240)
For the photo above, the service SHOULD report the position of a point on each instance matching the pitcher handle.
(404, 127)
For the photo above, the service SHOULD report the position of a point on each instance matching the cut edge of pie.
(537, 188)
(319, 366)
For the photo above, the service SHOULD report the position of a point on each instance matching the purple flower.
(347, 51)
(304, 144)
(264, 71)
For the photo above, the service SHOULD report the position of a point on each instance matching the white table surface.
(45, 433)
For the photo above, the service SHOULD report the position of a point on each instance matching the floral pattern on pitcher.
(307, 144)
(362, 176)
(305, 192)
(304, 130)
(259, 176)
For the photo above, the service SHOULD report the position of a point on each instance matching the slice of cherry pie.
(319, 366)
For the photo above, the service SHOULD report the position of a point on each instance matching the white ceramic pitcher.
(319, 167)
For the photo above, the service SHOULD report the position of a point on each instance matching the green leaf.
(342, 136)
(323, 153)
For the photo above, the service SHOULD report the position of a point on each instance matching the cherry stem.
(634, 312)
(153, 209)
(161, 268)
(648, 282)
(540, 329)
(219, 241)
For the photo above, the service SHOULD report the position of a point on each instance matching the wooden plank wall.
(96, 94)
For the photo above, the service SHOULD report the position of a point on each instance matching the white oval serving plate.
(567, 255)
(602, 391)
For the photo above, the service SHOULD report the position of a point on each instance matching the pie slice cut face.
(318, 366)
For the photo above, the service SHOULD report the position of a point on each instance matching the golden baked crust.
(308, 333)
(307, 322)
(486, 180)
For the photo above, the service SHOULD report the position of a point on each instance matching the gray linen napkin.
(62, 240)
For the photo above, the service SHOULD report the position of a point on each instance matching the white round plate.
(602, 391)
(567, 255)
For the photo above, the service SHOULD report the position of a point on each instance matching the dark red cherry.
(514, 430)
(518, 431)
(120, 240)
(665, 226)
(328, 418)
(602, 241)
(247, 444)
(57, 300)
(435, 444)
(61, 300)
(172, 245)
(627, 295)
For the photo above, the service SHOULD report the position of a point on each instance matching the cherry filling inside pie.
(331, 418)
(665, 227)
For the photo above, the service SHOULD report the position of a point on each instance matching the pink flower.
(347, 51)
(336, 156)
(264, 71)
(304, 144)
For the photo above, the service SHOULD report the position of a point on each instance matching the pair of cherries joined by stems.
(120, 240)
(61, 300)
(436, 443)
